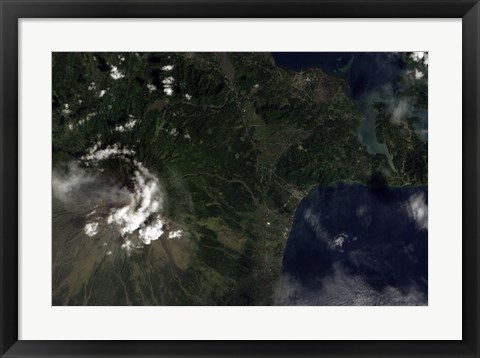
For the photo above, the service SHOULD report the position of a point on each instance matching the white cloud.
(128, 246)
(102, 93)
(64, 185)
(417, 210)
(95, 155)
(146, 200)
(337, 242)
(135, 213)
(418, 74)
(343, 289)
(400, 110)
(167, 85)
(151, 232)
(167, 68)
(420, 56)
(151, 87)
(115, 73)
(89, 116)
(361, 211)
(312, 219)
(168, 80)
(82, 121)
(127, 126)
(66, 110)
(175, 234)
(91, 229)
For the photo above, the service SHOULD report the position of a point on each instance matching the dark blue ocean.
(351, 244)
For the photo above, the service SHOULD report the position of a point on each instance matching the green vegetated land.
(236, 146)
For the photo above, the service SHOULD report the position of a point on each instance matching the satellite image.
(239, 179)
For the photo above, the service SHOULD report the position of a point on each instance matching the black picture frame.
(11, 11)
